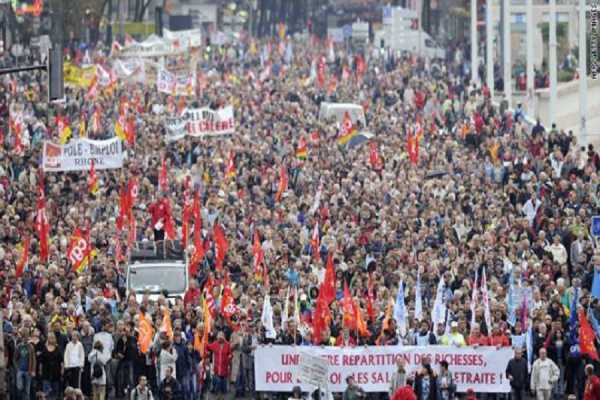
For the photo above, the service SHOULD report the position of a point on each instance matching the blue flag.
(596, 284)
(573, 334)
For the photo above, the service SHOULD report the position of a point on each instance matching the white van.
(157, 268)
(337, 111)
(409, 41)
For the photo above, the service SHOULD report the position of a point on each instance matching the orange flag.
(207, 326)
(166, 325)
(24, 258)
(146, 334)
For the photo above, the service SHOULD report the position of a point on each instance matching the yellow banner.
(77, 76)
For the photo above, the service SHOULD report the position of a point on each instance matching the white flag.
(400, 310)
(418, 300)
(267, 318)
(486, 302)
(296, 308)
(438, 313)
(474, 300)
(286, 309)
(316, 202)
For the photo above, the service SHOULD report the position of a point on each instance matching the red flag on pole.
(41, 221)
(93, 179)
(374, 158)
(328, 286)
(283, 183)
(259, 256)
(315, 242)
(163, 180)
(349, 319)
(221, 245)
(586, 337)
(169, 223)
(24, 258)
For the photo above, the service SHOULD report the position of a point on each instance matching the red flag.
(24, 258)
(123, 207)
(322, 317)
(132, 192)
(321, 71)
(78, 251)
(169, 223)
(314, 137)
(230, 171)
(221, 245)
(130, 131)
(328, 286)
(283, 183)
(41, 222)
(163, 180)
(259, 256)
(370, 298)
(228, 307)
(349, 319)
(374, 158)
(185, 220)
(587, 337)
(198, 254)
(412, 146)
(360, 67)
(315, 242)
(93, 179)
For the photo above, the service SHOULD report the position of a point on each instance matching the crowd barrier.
(481, 369)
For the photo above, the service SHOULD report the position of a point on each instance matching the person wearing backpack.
(98, 361)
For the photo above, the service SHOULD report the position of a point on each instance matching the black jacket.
(518, 370)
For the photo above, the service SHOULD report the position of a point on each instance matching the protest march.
(288, 217)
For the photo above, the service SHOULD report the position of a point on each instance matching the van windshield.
(155, 279)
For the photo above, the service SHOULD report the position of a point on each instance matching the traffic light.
(56, 83)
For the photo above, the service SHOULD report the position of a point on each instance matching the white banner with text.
(277, 368)
(78, 154)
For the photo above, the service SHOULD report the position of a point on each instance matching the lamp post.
(530, 71)
(552, 62)
(582, 139)
(474, 44)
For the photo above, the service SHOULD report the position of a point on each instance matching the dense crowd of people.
(483, 193)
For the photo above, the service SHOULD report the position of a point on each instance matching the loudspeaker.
(158, 21)
(56, 83)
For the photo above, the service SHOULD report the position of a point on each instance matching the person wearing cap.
(454, 337)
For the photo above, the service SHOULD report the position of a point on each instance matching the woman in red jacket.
(592, 384)
(221, 351)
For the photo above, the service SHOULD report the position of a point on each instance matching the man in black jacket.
(516, 373)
